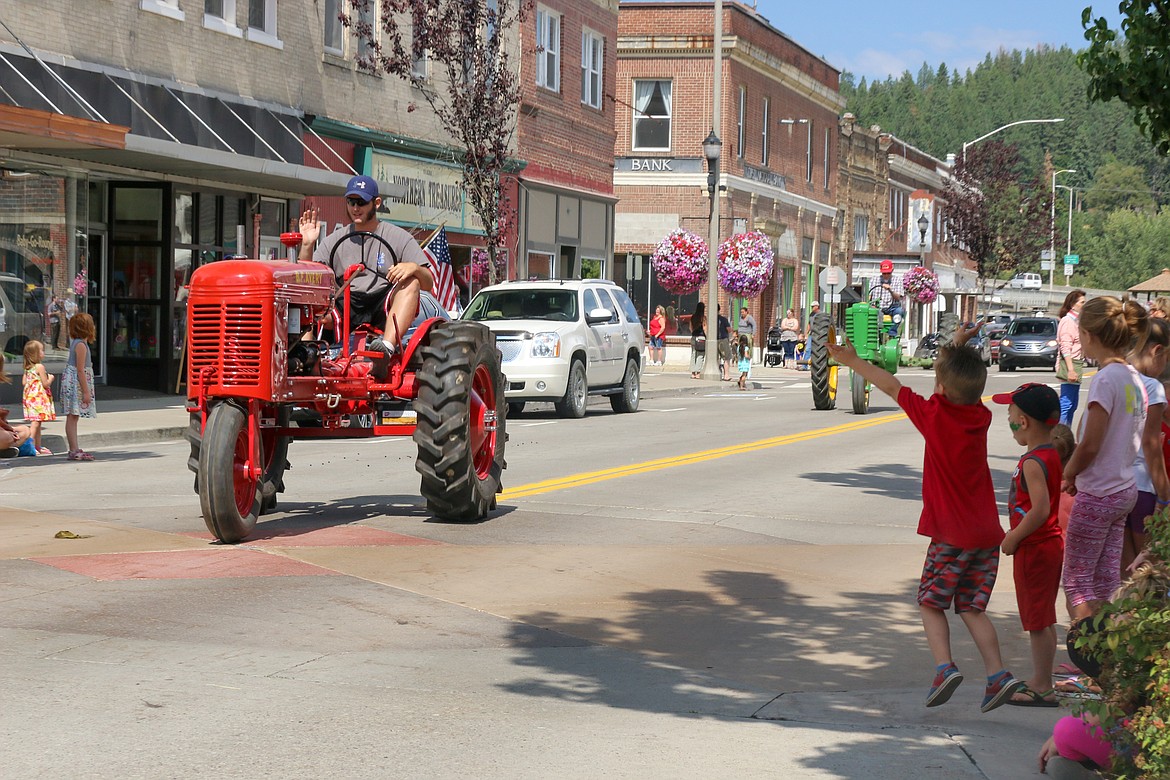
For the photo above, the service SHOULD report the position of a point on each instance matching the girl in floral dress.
(77, 398)
(38, 404)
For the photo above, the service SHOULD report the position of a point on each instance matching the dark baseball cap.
(362, 187)
(1040, 402)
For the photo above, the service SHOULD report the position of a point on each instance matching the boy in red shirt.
(959, 511)
(1035, 538)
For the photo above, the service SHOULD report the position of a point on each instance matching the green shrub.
(1134, 647)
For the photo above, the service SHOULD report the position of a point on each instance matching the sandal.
(44, 451)
(79, 455)
(1033, 698)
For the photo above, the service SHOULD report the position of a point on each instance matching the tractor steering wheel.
(364, 234)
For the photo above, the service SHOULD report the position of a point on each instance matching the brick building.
(187, 131)
(779, 131)
(893, 207)
(566, 137)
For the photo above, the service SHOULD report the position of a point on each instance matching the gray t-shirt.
(368, 288)
(747, 326)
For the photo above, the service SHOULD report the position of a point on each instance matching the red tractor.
(261, 373)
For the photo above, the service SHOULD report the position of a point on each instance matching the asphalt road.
(719, 585)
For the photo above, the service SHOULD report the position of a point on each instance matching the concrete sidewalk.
(128, 415)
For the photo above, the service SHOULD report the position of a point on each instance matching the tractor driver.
(408, 281)
(887, 294)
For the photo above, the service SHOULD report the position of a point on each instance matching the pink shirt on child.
(1117, 388)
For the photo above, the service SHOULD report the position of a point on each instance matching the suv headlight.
(1005, 342)
(546, 345)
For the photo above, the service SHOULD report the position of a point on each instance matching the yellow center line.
(590, 477)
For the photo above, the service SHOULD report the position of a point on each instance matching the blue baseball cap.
(362, 187)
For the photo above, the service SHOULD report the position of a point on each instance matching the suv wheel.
(572, 405)
(627, 399)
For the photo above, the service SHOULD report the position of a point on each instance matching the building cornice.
(647, 47)
(730, 181)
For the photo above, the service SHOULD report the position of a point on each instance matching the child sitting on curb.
(1035, 538)
(12, 438)
(959, 510)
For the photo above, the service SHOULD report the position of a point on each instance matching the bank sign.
(429, 193)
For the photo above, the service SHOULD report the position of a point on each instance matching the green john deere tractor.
(869, 332)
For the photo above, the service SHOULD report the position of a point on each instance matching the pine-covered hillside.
(938, 110)
(1121, 219)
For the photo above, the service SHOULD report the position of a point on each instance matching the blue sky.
(879, 39)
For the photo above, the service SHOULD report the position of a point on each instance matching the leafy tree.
(474, 91)
(1120, 248)
(999, 216)
(1132, 67)
(1119, 186)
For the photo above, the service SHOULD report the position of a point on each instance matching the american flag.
(440, 256)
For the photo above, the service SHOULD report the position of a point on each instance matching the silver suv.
(564, 340)
(20, 319)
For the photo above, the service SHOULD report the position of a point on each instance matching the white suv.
(561, 341)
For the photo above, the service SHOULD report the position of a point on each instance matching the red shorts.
(960, 575)
(1036, 572)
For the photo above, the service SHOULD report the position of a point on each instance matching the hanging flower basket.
(921, 284)
(745, 264)
(680, 262)
(81, 283)
(481, 266)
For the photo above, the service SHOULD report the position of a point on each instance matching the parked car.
(563, 340)
(20, 318)
(1026, 281)
(982, 344)
(1029, 341)
(994, 332)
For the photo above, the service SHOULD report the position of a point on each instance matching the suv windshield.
(14, 290)
(1032, 328)
(557, 305)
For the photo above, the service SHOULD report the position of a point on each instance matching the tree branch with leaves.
(474, 93)
(996, 213)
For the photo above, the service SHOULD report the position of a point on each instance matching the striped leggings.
(1092, 546)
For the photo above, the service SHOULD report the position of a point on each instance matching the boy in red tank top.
(1035, 538)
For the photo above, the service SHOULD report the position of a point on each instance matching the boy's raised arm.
(883, 380)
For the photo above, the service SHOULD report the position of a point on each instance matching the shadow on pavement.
(691, 644)
(888, 479)
(293, 518)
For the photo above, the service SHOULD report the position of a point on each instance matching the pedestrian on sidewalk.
(959, 511)
(744, 351)
(1035, 539)
(657, 330)
(789, 335)
(723, 342)
(1070, 363)
(77, 397)
(698, 340)
(13, 438)
(38, 402)
(1100, 474)
(747, 327)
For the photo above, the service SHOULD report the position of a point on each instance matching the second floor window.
(860, 233)
(334, 31)
(652, 115)
(592, 50)
(548, 50)
(764, 142)
(742, 121)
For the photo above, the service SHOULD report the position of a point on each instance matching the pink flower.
(680, 262)
(745, 264)
(921, 284)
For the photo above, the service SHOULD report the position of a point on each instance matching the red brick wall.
(563, 140)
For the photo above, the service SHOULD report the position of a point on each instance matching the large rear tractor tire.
(947, 323)
(860, 390)
(229, 489)
(823, 374)
(461, 421)
(627, 400)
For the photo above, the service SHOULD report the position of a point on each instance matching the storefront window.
(42, 247)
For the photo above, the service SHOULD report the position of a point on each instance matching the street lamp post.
(923, 226)
(711, 149)
(1068, 246)
(1005, 127)
(1052, 228)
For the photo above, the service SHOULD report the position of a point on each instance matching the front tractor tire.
(461, 430)
(860, 390)
(823, 372)
(229, 488)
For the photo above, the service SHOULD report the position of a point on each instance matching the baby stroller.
(773, 347)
